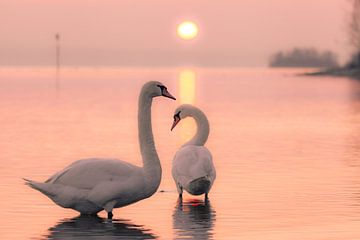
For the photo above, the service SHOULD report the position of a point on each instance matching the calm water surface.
(286, 149)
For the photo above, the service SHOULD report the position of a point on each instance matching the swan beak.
(165, 93)
(176, 121)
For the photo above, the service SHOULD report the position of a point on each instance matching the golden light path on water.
(187, 89)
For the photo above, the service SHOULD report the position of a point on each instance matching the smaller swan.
(192, 166)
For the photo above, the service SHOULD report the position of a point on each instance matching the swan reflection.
(193, 219)
(94, 227)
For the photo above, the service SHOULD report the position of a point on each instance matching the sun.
(187, 30)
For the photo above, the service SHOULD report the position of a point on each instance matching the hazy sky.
(142, 32)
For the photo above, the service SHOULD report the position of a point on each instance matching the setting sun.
(187, 30)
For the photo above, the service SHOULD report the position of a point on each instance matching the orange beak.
(176, 121)
(165, 93)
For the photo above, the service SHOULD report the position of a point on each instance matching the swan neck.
(150, 158)
(203, 129)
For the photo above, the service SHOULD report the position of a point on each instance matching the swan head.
(183, 111)
(155, 89)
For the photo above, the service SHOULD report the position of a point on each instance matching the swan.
(192, 166)
(92, 185)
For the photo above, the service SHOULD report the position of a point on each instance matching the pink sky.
(135, 32)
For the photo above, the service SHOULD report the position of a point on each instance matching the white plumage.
(192, 167)
(91, 185)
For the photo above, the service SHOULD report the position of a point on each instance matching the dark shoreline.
(337, 72)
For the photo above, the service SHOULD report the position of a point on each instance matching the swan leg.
(179, 189)
(180, 203)
(109, 207)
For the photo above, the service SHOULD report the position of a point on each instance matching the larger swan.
(92, 185)
(192, 166)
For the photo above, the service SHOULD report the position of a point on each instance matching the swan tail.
(41, 187)
(199, 186)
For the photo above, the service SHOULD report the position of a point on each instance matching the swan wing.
(192, 162)
(88, 173)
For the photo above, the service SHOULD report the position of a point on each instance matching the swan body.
(192, 167)
(92, 185)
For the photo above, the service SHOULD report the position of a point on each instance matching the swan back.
(193, 162)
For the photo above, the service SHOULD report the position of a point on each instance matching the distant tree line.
(354, 35)
(304, 57)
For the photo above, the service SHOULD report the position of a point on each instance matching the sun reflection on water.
(187, 88)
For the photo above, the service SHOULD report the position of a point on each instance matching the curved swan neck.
(151, 162)
(203, 128)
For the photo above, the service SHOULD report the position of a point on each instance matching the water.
(286, 149)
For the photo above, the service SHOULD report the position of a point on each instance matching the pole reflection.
(94, 227)
(194, 219)
(57, 82)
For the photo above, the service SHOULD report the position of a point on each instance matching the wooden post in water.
(57, 59)
(57, 39)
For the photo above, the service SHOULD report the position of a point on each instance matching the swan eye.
(162, 87)
(177, 116)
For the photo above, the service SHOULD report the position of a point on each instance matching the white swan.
(192, 166)
(91, 185)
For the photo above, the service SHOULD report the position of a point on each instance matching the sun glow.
(187, 30)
